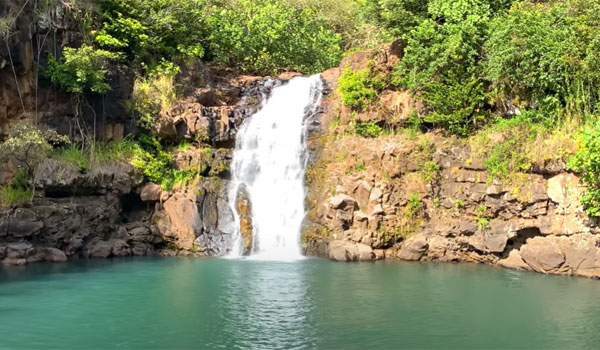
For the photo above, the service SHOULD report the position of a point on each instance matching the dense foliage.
(26, 146)
(466, 58)
(264, 36)
(587, 163)
(547, 57)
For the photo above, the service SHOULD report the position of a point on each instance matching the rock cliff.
(428, 196)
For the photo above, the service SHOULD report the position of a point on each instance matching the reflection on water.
(267, 306)
(311, 304)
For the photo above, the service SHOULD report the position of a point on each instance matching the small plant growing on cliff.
(483, 223)
(431, 171)
(367, 129)
(587, 163)
(358, 89)
(414, 206)
(459, 204)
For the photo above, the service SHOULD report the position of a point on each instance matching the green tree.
(81, 69)
(150, 30)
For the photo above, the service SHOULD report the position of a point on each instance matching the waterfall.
(269, 164)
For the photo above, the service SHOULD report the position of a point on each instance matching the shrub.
(157, 164)
(442, 62)
(512, 146)
(358, 89)
(28, 145)
(153, 94)
(98, 153)
(146, 154)
(587, 163)
(260, 37)
(441, 65)
(414, 206)
(10, 195)
(431, 171)
(367, 129)
(81, 69)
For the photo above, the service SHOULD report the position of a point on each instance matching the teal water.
(312, 304)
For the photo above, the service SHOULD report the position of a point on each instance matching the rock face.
(79, 216)
(429, 197)
(537, 224)
(244, 210)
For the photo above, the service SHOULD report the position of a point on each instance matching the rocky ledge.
(391, 209)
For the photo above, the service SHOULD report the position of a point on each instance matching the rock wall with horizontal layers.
(428, 197)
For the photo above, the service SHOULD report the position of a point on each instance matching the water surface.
(309, 304)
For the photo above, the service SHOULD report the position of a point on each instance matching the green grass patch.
(367, 129)
(18, 190)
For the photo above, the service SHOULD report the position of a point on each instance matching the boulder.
(101, 249)
(342, 202)
(18, 250)
(20, 223)
(56, 176)
(186, 223)
(514, 261)
(46, 254)
(573, 255)
(349, 251)
(16, 253)
(413, 249)
(379, 254)
(120, 248)
(557, 223)
(543, 255)
(361, 193)
(494, 238)
(341, 210)
(141, 249)
(563, 189)
(151, 192)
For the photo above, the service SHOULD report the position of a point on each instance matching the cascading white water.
(269, 162)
